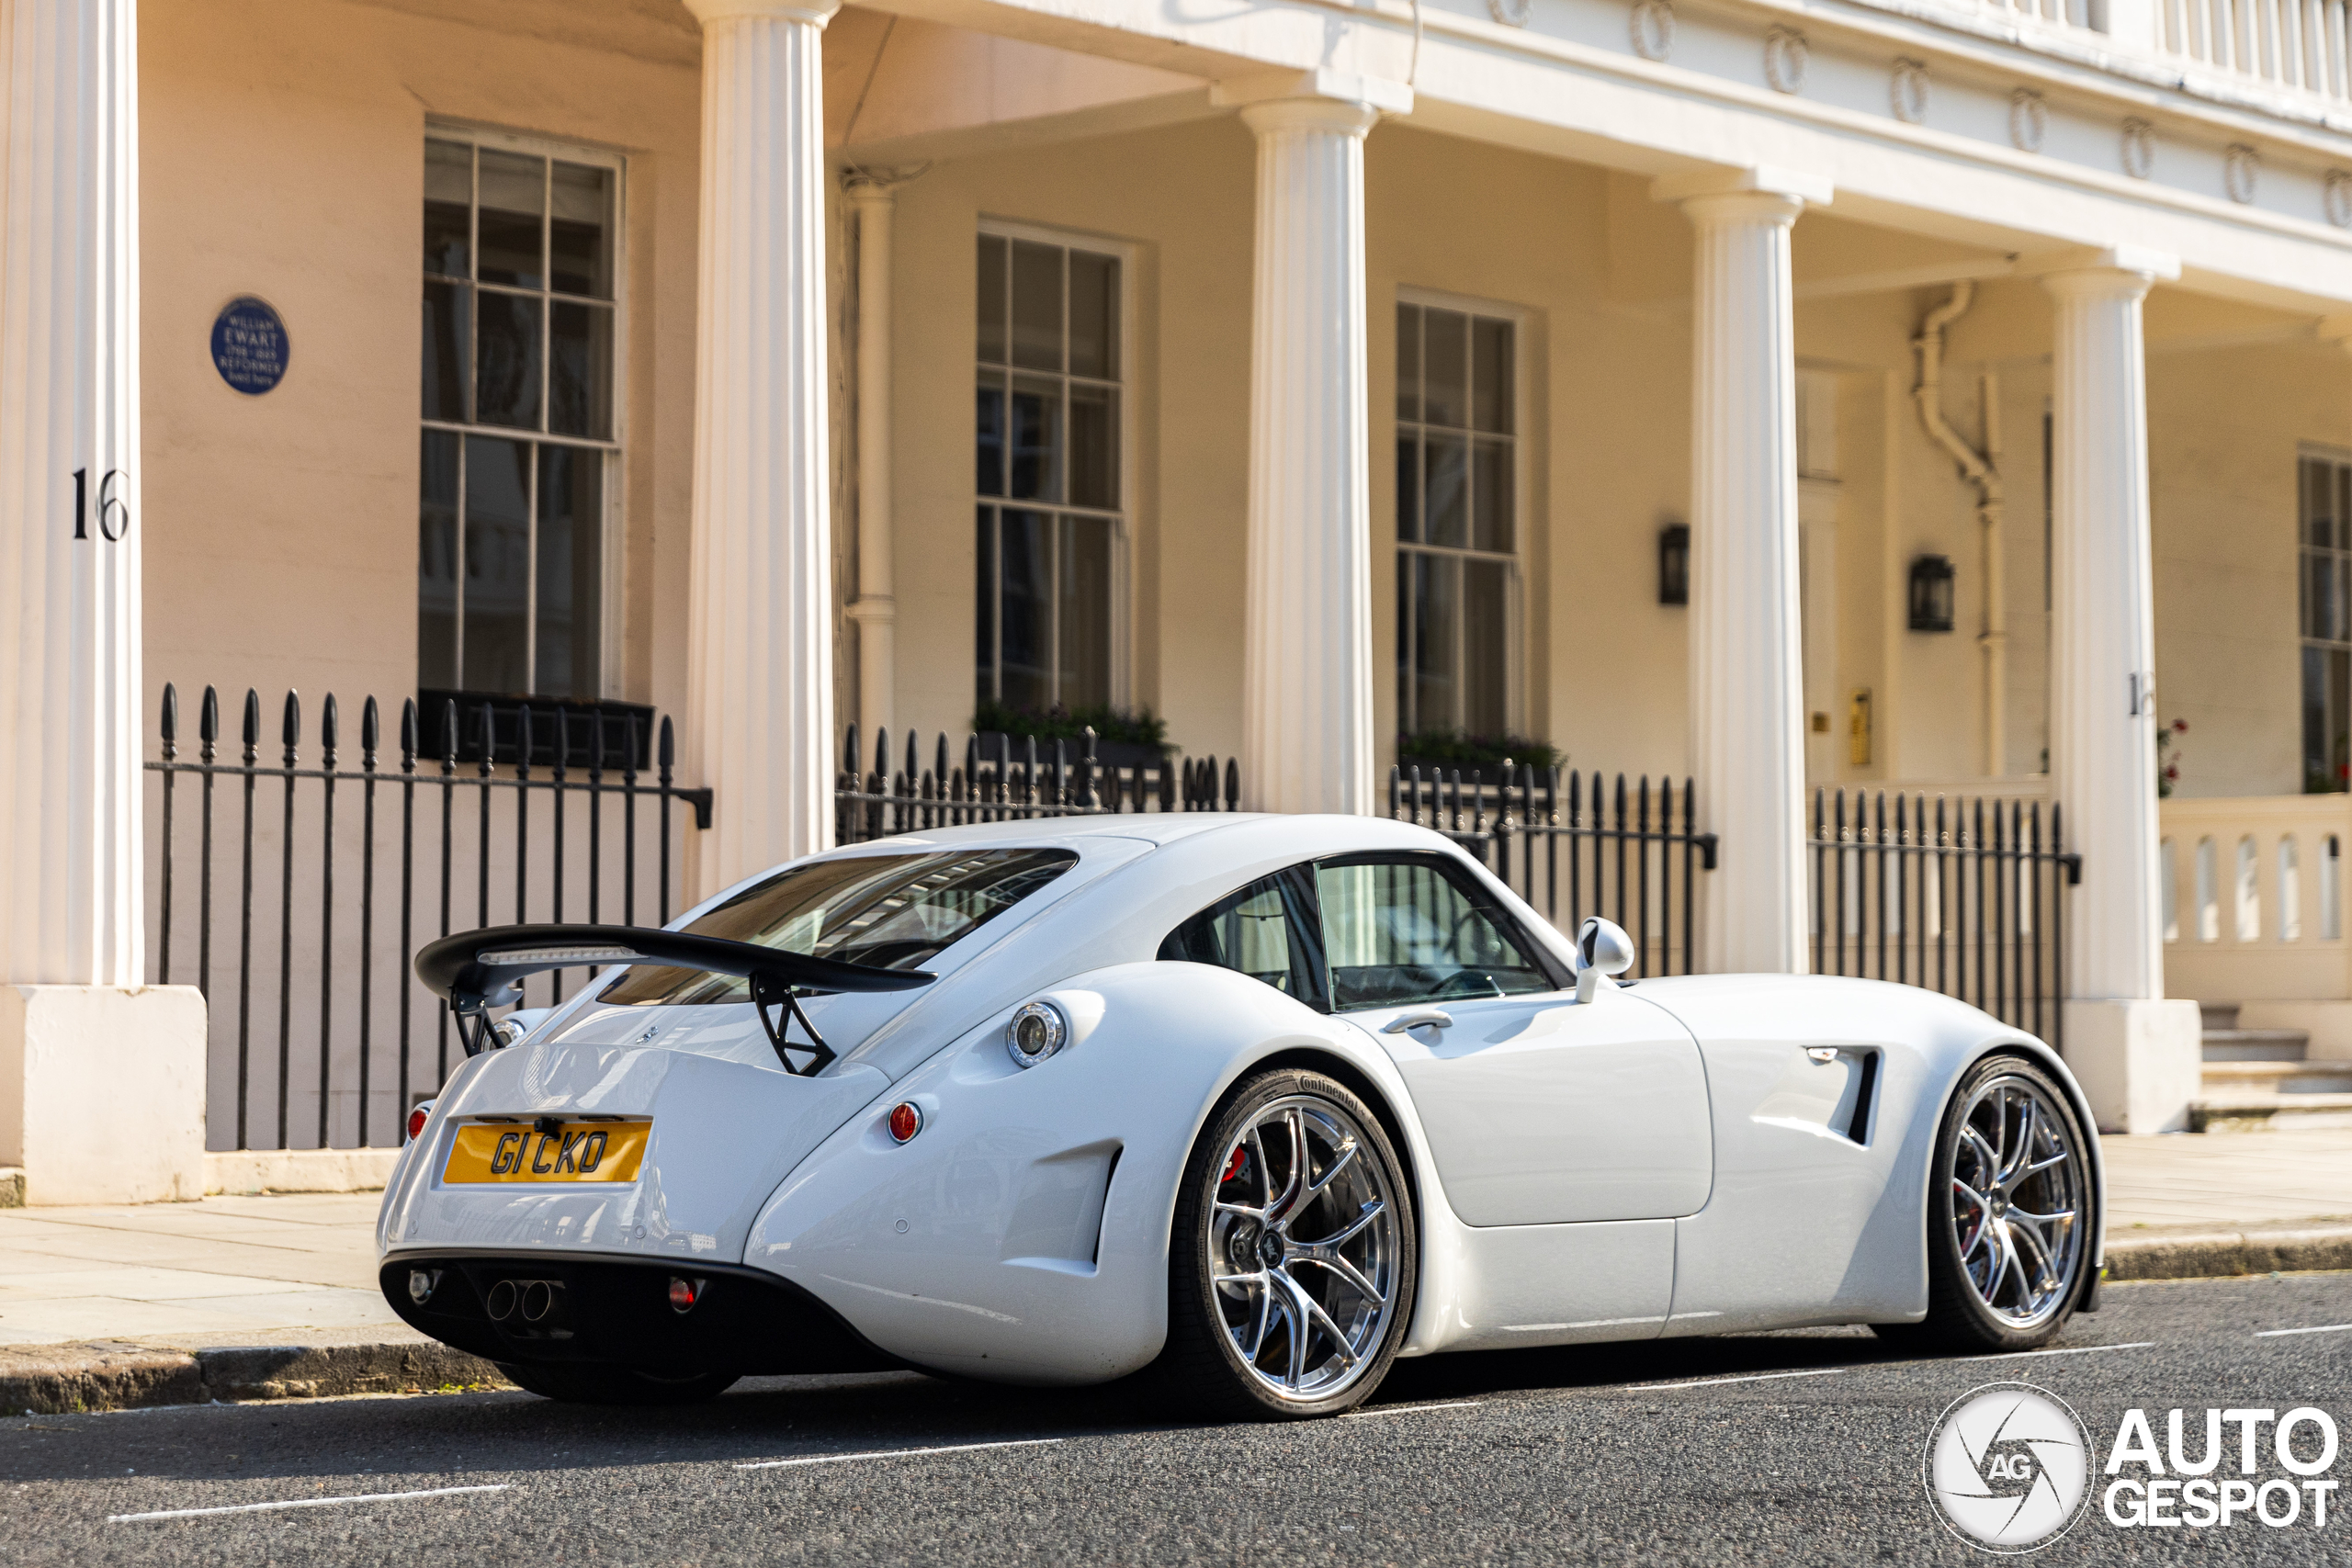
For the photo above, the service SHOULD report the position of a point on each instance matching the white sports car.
(1257, 1103)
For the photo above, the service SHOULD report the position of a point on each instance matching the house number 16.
(114, 513)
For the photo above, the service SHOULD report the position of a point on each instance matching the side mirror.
(1602, 949)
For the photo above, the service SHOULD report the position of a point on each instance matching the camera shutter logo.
(2008, 1467)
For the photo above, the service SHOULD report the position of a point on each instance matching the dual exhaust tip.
(529, 1300)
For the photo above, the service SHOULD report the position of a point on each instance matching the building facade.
(1943, 397)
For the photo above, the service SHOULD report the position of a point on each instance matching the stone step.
(2278, 1078)
(2269, 1113)
(2219, 1015)
(2256, 1044)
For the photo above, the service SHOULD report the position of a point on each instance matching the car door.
(1539, 1110)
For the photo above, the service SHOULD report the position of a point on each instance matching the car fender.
(1023, 1233)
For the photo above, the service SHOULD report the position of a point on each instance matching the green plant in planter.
(1450, 749)
(1140, 728)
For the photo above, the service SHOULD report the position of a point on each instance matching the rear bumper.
(618, 1313)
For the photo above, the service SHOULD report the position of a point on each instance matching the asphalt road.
(1771, 1448)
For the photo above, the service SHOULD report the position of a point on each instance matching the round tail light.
(417, 1118)
(906, 1120)
(682, 1293)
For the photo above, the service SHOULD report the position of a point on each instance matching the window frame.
(1122, 521)
(2338, 462)
(612, 529)
(1521, 437)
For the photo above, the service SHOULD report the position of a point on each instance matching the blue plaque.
(249, 345)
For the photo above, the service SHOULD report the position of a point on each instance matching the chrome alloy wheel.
(1304, 1250)
(2017, 1187)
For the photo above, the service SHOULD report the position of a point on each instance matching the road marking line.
(299, 1503)
(2319, 1328)
(896, 1453)
(1413, 1409)
(1758, 1377)
(2071, 1350)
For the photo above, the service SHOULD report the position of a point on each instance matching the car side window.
(1404, 929)
(1267, 930)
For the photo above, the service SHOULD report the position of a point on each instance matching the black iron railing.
(1962, 897)
(1003, 781)
(1574, 846)
(314, 883)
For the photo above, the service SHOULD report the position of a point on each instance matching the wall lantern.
(1674, 564)
(1931, 594)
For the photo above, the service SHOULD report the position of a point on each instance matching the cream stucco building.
(1307, 373)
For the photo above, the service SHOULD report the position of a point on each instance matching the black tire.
(1203, 1366)
(2028, 1307)
(594, 1383)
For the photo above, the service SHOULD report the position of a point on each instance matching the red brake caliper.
(1233, 1167)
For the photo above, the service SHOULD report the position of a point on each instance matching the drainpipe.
(1981, 470)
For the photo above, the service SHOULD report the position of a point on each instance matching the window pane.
(1094, 315)
(2315, 779)
(570, 558)
(1490, 512)
(1409, 486)
(1490, 361)
(984, 608)
(1406, 933)
(1408, 362)
(991, 475)
(1085, 612)
(1446, 508)
(1445, 361)
(579, 370)
(1036, 439)
(580, 231)
(497, 564)
(991, 301)
(2339, 723)
(514, 207)
(1436, 593)
(1036, 306)
(506, 361)
(1485, 640)
(1265, 931)
(1093, 446)
(449, 350)
(437, 561)
(1022, 606)
(449, 206)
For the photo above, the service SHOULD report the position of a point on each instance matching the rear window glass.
(885, 911)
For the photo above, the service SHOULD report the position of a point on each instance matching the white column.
(1746, 661)
(2136, 1054)
(1306, 698)
(760, 709)
(94, 1071)
(875, 611)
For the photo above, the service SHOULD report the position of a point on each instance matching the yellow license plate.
(578, 1151)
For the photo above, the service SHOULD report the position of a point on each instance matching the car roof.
(1313, 834)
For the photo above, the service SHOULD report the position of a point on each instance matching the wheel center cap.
(2000, 1204)
(1270, 1249)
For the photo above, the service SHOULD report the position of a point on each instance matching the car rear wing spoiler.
(477, 971)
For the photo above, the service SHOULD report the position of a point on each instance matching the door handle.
(1436, 1017)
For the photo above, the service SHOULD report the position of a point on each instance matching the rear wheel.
(1291, 1274)
(596, 1384)
(2008, 1214)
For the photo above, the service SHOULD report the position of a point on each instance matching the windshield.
(885, 911)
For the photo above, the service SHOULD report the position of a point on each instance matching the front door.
(1539, 1110)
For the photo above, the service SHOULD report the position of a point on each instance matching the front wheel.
(1293, 1258)
(596, 1384)
(2009, 1214)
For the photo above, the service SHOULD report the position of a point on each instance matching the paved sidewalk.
(301, 1269)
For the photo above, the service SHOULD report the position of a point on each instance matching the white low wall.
(298, 1170)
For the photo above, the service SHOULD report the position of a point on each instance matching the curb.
(45, 1380)
(2219, 1252)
